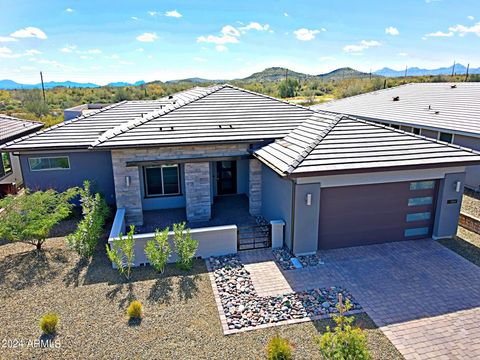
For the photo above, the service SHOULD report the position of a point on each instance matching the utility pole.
(43, 87)
(370, 74)
(406, 69)
(466, 74)
(453, 68)
(286, 75)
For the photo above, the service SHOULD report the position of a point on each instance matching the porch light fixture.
(127, 181)
(308, 199)
(458, 185)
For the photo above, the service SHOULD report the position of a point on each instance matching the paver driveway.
(423, 296)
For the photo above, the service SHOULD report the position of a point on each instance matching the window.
(416, 231)
(396, 126)
(6, 165)
(418, 216)
(419, 201)
(422, 185)
(49, 163)
(416, 131)
(162, 180)
(445, 137)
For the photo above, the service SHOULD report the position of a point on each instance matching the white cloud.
(68, 48)
(363, 45)
(285, 14)
(29, 32)
(254, 26)
(52, 63)
(432, 1)
(147, 37)
(199, 59)
(69, 10)
(94, 51)
(402, 54)
(439, 34)
(85, 57)
(32, 52)
(463, 30)
(392, 31)
(152, 13)
(7, 53)
(140, 50)
(304, 34)
(134, 18)
(229, 36)
(7, 39)
(326, 58)
(173, 13)
(470, 17)
(221, 48)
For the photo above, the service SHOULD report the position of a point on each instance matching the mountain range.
(272, 74)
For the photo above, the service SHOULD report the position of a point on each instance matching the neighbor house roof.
(11, 128)
(202, 115)
(327, 144)
(451, 107)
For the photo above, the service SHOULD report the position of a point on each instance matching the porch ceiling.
(186, 160)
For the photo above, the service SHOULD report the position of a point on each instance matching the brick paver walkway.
(424, 297)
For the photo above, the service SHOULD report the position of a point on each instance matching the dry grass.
(180, 316)
(466, 244)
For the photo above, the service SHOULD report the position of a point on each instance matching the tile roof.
(327, 145)
(11, 128)
(454, 107)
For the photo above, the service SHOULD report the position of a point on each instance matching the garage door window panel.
(420, 216)
(420, 231)
(420, 201)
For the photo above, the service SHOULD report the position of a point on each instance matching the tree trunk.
(39, 245)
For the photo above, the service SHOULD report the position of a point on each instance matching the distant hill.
(275, 74)
(415, 71)
(12, 85)
(195, 80)
(121, 83)
(343, 73)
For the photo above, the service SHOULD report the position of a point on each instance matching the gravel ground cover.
(466, 244)
(471, 203)
(283, 259)
(180, 314)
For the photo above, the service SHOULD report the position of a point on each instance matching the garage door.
(372, 214)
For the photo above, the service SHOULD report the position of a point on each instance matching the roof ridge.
(307, 150)
(436, 141)
(63, 124)
(122, 128)
(8, 117)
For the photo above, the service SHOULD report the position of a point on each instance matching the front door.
(226, 177)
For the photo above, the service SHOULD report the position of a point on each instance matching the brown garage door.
(372, 214)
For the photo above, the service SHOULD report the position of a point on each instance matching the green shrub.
(185, 246)
(279, 349)
(122, 253)
(345, 342)
(135, 310)
(158, 250)
(48, 323)
(95, 211)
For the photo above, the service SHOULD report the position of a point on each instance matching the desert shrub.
(345, 342)
(122, 253)
(95, 211)
(279, 348)
(48, 323)
(158, 250)
(185, 246)
(134, 310)
(30, 217)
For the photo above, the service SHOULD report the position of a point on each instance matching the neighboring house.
(334, 180)
(84, 109)
(449, 112)
(10, 173)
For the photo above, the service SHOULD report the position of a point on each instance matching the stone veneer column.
(197, 191)
(128, 197)
(255, 187)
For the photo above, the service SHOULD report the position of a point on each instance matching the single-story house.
(10, 173)
(333, 180)
(449, 112)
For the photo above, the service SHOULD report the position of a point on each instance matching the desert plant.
(95, 211)
(134, 310)
(30, 217)
(48, 323)
(345, 342)
(279, 348)
(185, 246)
(158, 250)
(122, 253)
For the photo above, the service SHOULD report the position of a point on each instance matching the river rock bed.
(243, 308)
(283, 258)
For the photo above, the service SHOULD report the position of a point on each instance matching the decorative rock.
(283, 258)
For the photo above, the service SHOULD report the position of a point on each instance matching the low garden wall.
(469, 222)
(212, 241)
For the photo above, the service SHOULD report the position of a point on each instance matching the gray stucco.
(277, 200)
(306, 219)
(449, 202)
(93, 166)
(472, 179)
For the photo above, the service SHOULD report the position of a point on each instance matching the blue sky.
(102, 41)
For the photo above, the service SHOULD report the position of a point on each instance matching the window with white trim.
(162, 180)
(49, 163)
(446, 137)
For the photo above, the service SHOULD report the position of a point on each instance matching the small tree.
(95, 211)
(345, 342)
(122, 253)
(29, 218)
(158, 250)
(185, 246)
(279, 348)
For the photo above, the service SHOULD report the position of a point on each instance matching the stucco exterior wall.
(306, 219)
(472, 179)
(93, 166)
